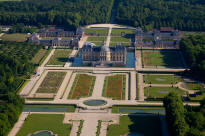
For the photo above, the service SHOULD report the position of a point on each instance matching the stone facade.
(103, 55)
(165, 37)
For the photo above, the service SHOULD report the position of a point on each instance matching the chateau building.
(165, 37)
(103, 55)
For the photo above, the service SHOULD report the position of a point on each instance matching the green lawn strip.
(99, 127)
(120, 31)
(70, 107)
(112, 93)
(197, 97)
(16, 37)
(120, 39)
(161, 79)
(38, 57)
(160, 92)
(137, 84)
(73, 86)
(97, 43)
(39, 99)
(60, 57)
(100, 31)
(24, 83)
(115, 108)
(80, 127)
(96, 38)
(120, 43)
(45, 56)
(194, 86)
(162, 58)
(51, 82)
(144, 125)
(50, 122)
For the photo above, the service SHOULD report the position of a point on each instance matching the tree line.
(184, 120)
(15, 66)
(193, 49)
(67, 13)
(186, 15)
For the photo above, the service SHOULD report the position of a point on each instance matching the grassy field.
(95, 38)
(82, 86)
(96, 31)
(97, 43)
(114, 87)
(118, 43)
(160, 92)
(52, 82)
(60, 57)
(16, 37)
(194, 86)
(37, 58)
(120, 39)
(161, 79)
(119, 31)
(143, 125)
(50, 122)
(162, 58)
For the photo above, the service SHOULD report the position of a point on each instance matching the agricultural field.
(82, 86)
(60, 57)
(114, 87)
(120, 31)
(161, 92)
(161, 79)
(51, 82)
(16, 37)
(96, 31)
(136, 125)
(50, 122)
(162, 58)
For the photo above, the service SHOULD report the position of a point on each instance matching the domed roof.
(105, 48)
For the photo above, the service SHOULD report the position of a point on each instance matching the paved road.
(133, 86)
(108, 37)
(47, 59)
(98, 88)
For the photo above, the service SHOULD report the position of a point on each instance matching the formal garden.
(83, 86)
(51, 82)
(97, 40)
(60, 57)
(115, 87)
(96, 31)
(45, 122)
(168, 59)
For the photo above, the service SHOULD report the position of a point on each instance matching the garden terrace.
(161, 79)
(52, 82)
(160, 92)
(115, 86)
(82, 87)
(16, 37)
(60, 57)
(50, 122)
(120, 32)
(96, 31)
(170, 59)
(136, 125)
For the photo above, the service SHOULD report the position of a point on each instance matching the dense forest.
(67, 13)
(184, 120)
(181, 14)
(15, 66)
(193, 49)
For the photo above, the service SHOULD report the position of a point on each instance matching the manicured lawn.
(162, 58)
(50, 122)
(16, 37)
(143, 125)
(197, 97)
(119, 31)
(120, 39)
(95, 38)
(82, 86)
(37, 58)
(60, 57)
(161, 79)
(194, 86)
(52, 82)
(114, 87)
(160, 92)
(118, 43)
(96, 31)
(98, 43)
